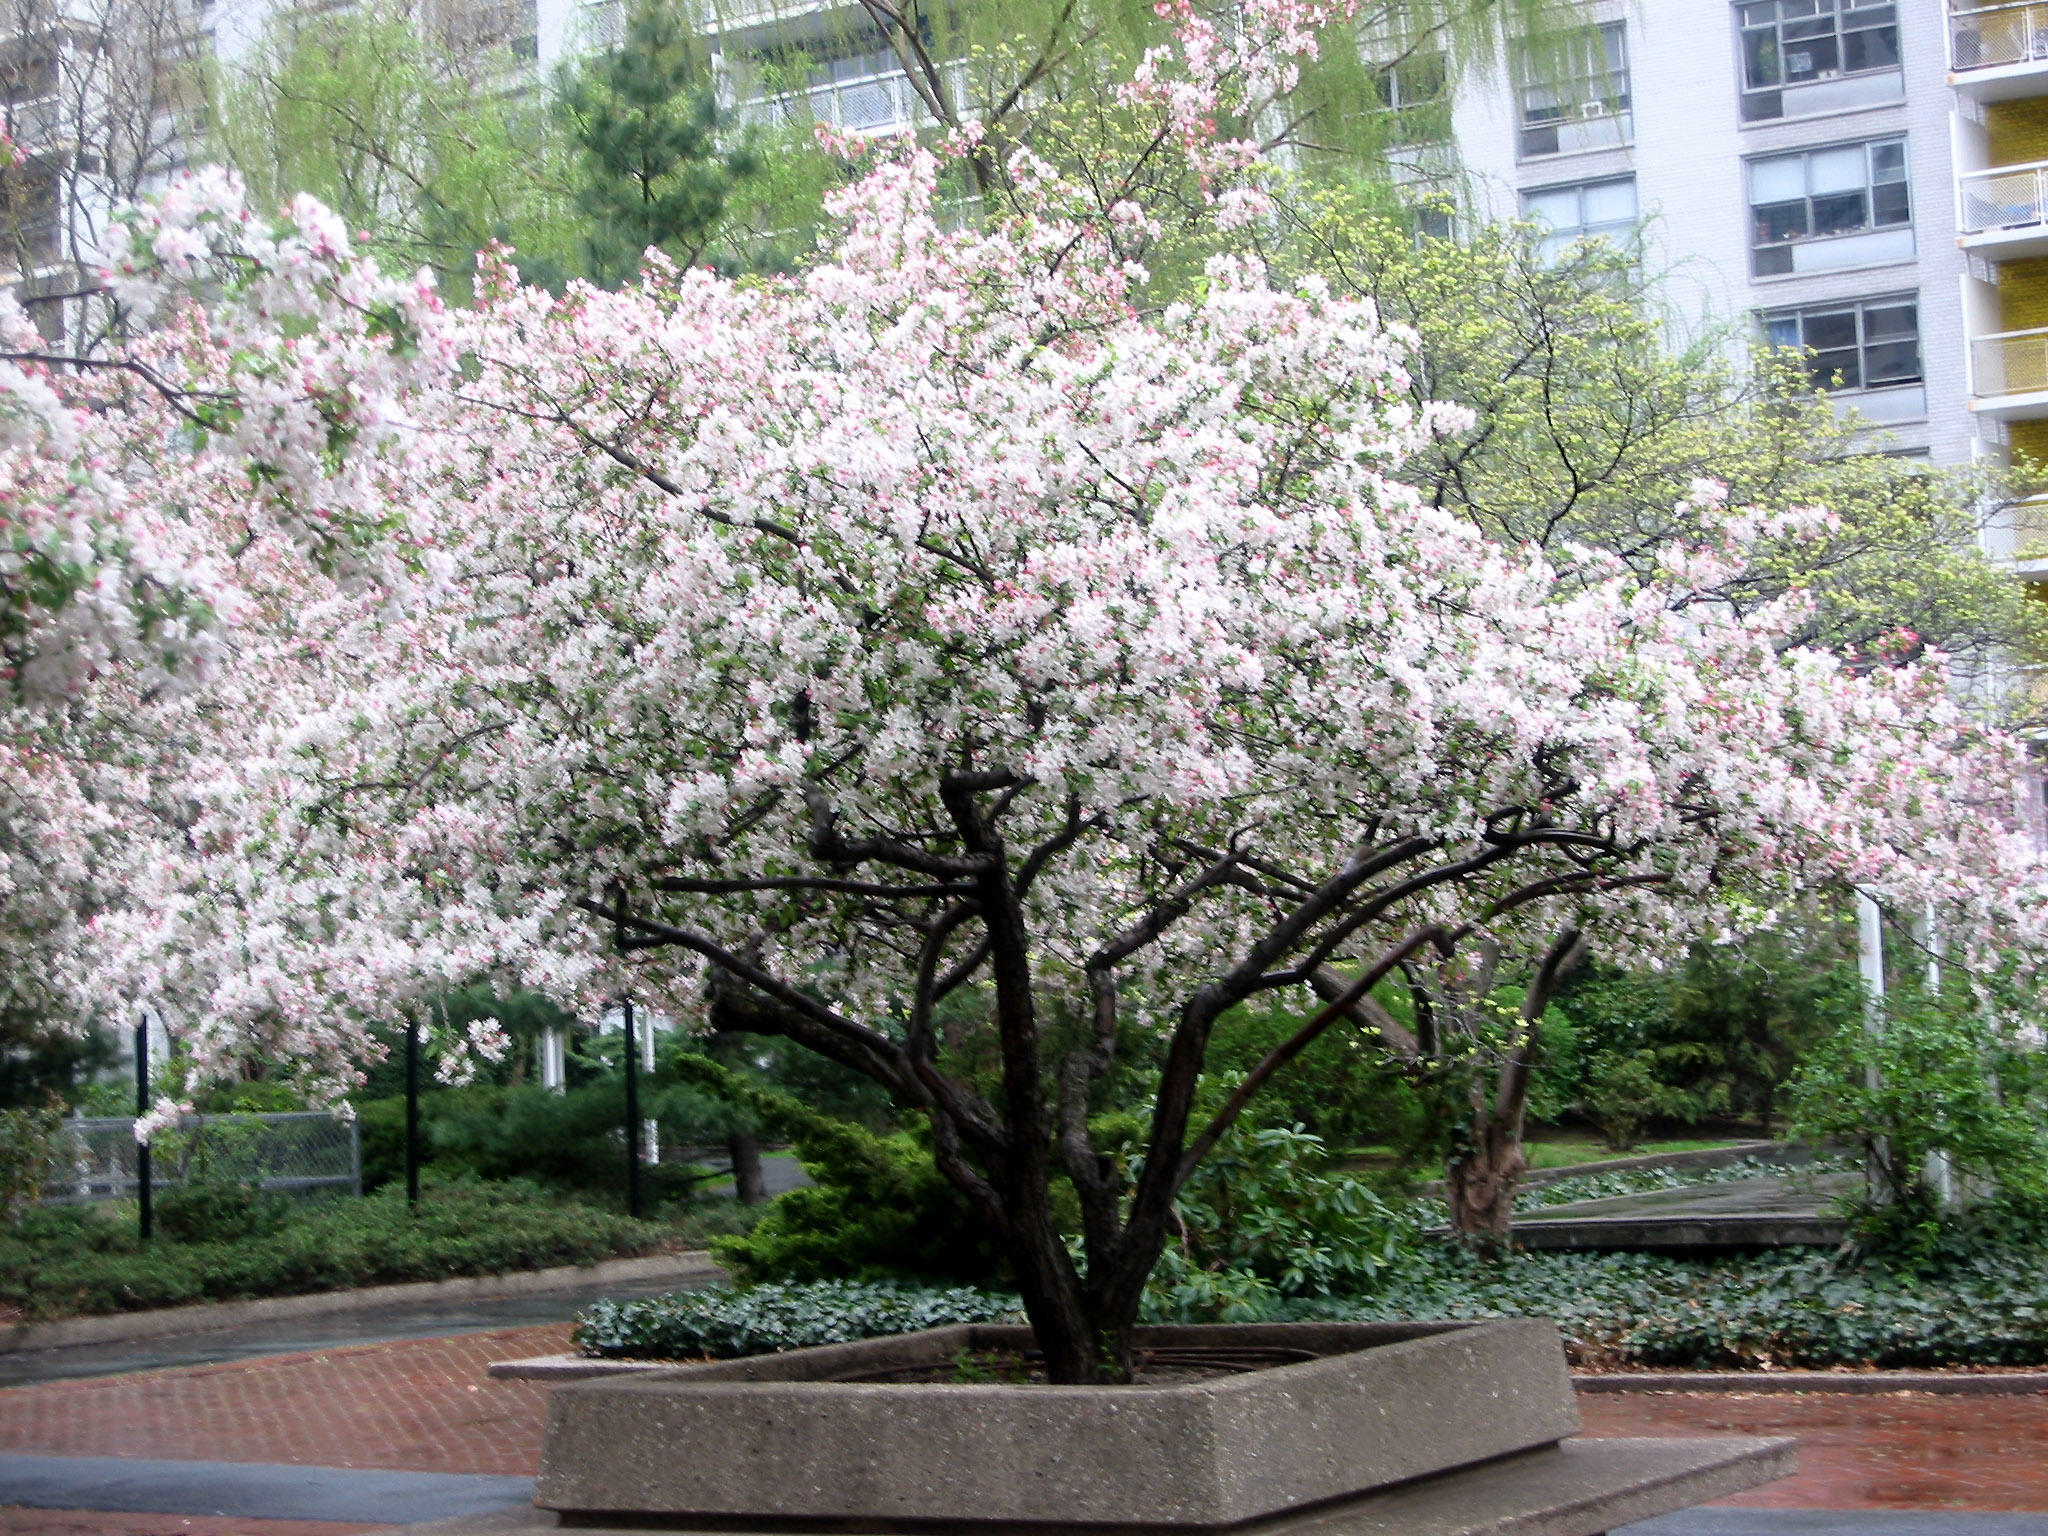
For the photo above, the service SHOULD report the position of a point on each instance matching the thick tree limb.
(1301, 1040)
(1367, 1013)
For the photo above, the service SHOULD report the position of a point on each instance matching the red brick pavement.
(426, 1405)
(421, 1405)
(1890, 1450)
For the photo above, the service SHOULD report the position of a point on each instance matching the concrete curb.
(1965, 1383)
(1783, 1152)
(121, 1327)
(575, 1368)
(561, 1368)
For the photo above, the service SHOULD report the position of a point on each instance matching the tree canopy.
(933, 658)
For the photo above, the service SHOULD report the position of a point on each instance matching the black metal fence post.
(142, 1191)
(412, 1112)
(633, 1132)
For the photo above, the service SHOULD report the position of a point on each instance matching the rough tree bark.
(744, 1148)
(1482, 1176)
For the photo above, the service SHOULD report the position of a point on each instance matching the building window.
(1587, 210)
(1577, 97)
(1844, 206)
(1872, 344)
(1414, 99)
(28, 70)
(28, 216)
(1793, 49)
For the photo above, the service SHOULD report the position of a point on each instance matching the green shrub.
(572, 1142)
(1984, 1301)
(1343, 1088)
(1624, 1092)
(217, 1211)
(878, 1208)
(726, 1323)
(1267, 1218)
(1935, 1078)
(63, 1263)
(28, 1154)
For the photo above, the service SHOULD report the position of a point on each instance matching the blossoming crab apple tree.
(932, 652)
(934, 659)
(141, 528)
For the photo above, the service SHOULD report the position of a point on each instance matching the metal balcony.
(2009, 374)
(2027, 521)
(1998, 51)
(871, 104)
(2004, 210)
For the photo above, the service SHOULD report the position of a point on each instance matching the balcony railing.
(886, 103)
(1991, 35)
(2010, 362)
(2029, 528)
(2006, 197)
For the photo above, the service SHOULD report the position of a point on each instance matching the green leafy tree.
(417, 133)
(1592, 425)
(1935, 1076)
(652, 173)
(1743, 1016)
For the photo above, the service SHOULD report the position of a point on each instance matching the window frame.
(1554, 240)
(1756, 97)
(1590, 79)
(1862, 345)
(1808, 200)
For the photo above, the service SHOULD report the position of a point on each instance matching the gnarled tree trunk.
(1482, 1177)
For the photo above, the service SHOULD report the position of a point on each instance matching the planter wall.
(789, 1443)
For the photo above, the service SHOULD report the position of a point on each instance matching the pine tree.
(654, 173)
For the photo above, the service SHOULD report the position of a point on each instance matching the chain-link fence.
(294, 1154)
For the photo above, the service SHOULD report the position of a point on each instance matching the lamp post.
(633, 1133)
(412, 1113)
(142, 1190)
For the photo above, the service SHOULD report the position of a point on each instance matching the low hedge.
(68, 1262)
(725, 1322)
(1814, 1310)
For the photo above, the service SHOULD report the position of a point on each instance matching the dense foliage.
(1984, 1301)
(1268, 1218)
(722, 1323)
(63, 1261)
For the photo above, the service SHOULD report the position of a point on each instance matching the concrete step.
(1574, 1488)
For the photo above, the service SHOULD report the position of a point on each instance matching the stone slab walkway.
(1774, 1210)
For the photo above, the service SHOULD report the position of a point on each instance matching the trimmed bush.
(64, 1263)
(726, 1323)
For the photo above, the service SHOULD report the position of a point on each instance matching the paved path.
(1772, 1210)
(300, 1335)
(343, 1420)
(1892, 1450)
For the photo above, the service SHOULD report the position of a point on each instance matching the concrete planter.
(1348, 1417)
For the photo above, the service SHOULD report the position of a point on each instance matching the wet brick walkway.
(423, 1405)
(1892, 1450)
(427, 1406)
(87, 1522)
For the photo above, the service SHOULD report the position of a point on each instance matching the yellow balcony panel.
(2009, 374)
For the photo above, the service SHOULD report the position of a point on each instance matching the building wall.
(1689, 154)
